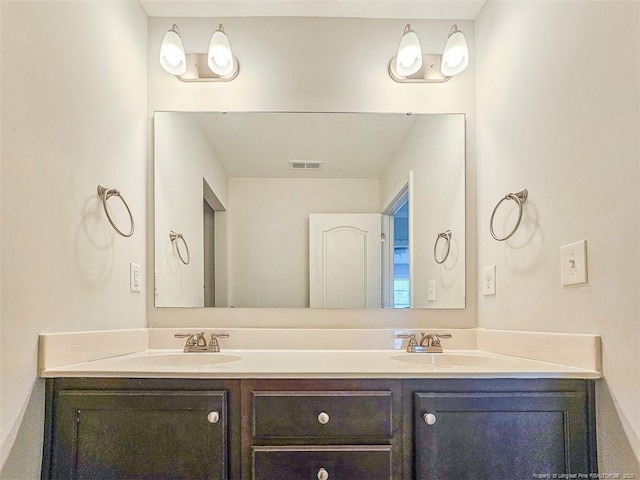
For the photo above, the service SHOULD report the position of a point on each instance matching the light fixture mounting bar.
(198, 70)
(428, 73)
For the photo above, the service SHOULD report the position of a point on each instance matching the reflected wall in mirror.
(246, 190)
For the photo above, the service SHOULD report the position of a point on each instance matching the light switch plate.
(135, 278)
(155, 283)
(489, 281)
(431, 291)
(573, 265)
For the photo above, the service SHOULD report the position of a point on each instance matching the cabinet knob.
(323, 474)
(213, 417)
(323, 418)
(429, 418)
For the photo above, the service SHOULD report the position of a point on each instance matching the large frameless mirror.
(321, 210)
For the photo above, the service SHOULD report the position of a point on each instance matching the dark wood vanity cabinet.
(334, 429)
(139, 429)
(500, 429)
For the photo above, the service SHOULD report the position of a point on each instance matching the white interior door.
(344, 260)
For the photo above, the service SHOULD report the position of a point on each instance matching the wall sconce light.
(217, 65)
(172, 57)
(410, 65)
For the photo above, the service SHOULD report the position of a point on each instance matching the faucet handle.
(435, 342)
(413, 342)
(219, 335)
(213, 342)
(410, 336)
(189, 336)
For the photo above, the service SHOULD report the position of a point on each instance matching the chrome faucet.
(196, 342)
(429, 342)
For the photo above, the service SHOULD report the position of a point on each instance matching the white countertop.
(319, 353)
(319, 363)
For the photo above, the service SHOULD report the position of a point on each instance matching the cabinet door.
(499, 435)
(140, 435)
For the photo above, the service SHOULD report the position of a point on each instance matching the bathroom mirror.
(265, 209)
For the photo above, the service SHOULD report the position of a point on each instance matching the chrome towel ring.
(447, 238)
(174, 236)
(105, 194)
(520, 197)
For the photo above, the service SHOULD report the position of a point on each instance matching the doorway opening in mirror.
(401, 283)
(396, 278)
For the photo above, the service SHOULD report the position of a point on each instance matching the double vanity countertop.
(311, 353)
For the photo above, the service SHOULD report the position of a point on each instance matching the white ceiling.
(261, 144)
(410, 9)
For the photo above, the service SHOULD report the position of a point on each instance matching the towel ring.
(447, 237)
(178, 236)
(105, 194)
(520, 197)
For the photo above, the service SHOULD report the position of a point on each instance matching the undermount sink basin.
(178, 360)
(451, 359)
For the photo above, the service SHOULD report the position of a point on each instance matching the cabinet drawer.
(322, 414)
(340, 463)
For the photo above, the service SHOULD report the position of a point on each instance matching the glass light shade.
(409, 57)
(172, 56)
(455, 58)
(220, 57)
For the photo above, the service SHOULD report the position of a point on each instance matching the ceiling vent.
(305, 165)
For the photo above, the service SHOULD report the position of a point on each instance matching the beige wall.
(269, 233)
(558, 112)
(73, 116)
(433, 150)
(317, 64)
(184, 157)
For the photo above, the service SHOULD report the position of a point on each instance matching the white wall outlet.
(135, 278)
(431, 291)
(489, 281)
(573, 265)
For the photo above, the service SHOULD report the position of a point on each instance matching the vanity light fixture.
(455, 57)
(409, 57)
(172, 56)
(220, 57)
(410, 65)
(217, 65)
